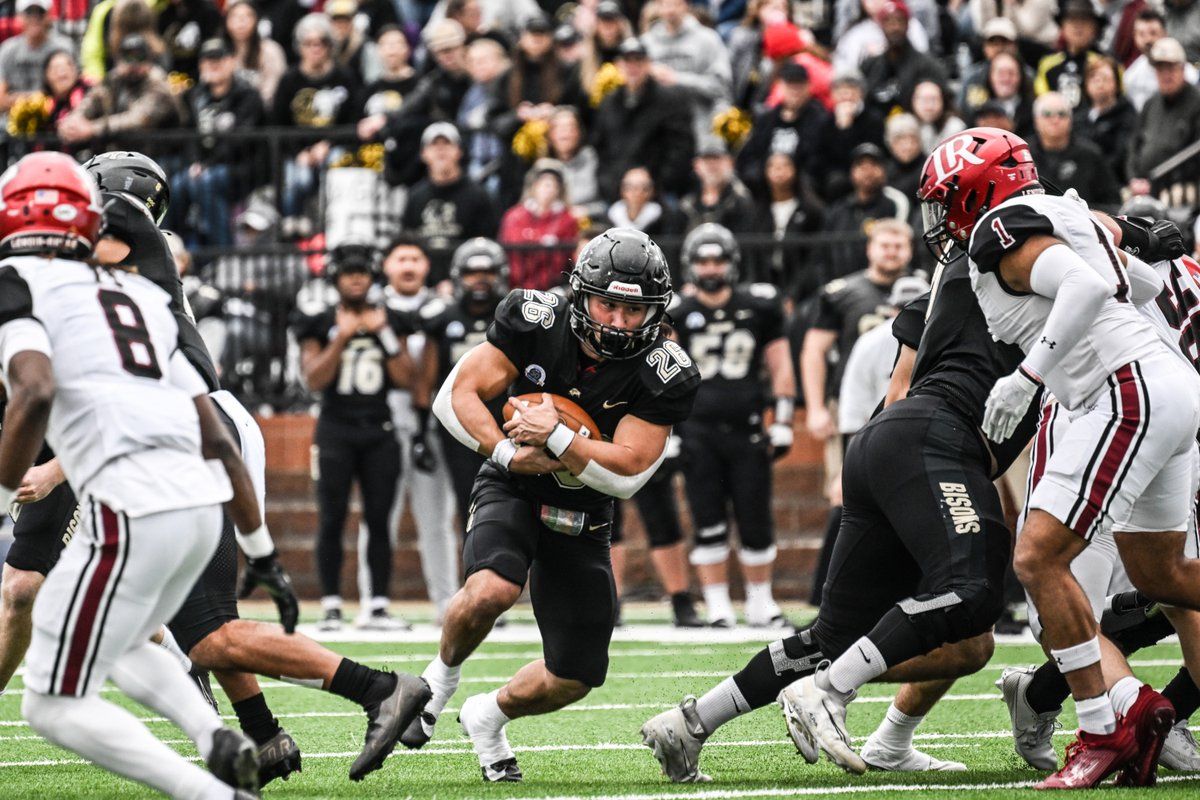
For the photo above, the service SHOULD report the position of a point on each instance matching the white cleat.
(676, 737)
(496, 758)
(1032, 732)
(816, 719)
(1180, 751)
(880, 757)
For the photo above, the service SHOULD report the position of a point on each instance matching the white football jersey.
(1176, 311)
(123, 423)
(1117, 336)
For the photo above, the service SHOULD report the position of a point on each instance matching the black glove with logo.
(268, 573)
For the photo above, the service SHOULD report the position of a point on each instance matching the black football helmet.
(1145, 207)
(624, 265)
(352, 257)
(711, 240)
(135, 175)
(480, 255)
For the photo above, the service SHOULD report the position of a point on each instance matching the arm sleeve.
(1078, 293)
(21, 335)
(1145, 284)
(181, 374)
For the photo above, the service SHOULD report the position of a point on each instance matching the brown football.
(569, 411)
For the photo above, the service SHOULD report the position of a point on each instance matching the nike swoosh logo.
(864, 655)
(597, 527)
(610, 404)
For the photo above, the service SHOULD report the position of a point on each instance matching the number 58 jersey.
(123, 423)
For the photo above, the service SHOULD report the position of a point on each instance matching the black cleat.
(684, 610)
(387, 719)
(234, 760)
(278, 758)
(419, 731)
(201, 678)
(505, 771)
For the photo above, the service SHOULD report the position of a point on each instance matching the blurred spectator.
(348, 39)
(1037, 29)
(793, 127)
(847, 13)
(1168, 122)
(495, 16)
(372, 17)
(993, 115)
(999, 36)
(446, 207)
(787, 208)
(903, 139)
(64, 84)
(1107, 119)
(851, 124)
(892, 75)
(467, 14)
(568, 47)
(1139, 79)
(537, 81)
(109, 24)
(542, 220)
(134, 96)
(486, 151)
(931, 107)
(638, 207)
(865, 37)
(224, 169)
(1183, 24)
(579, 163)
(23, 58)
(261, 62)
(634, 123)
(1009, 87)
(612, 28)
(721, 198)
(183, 25)
(1068, 160)
(870, 199)
(1062, 71)
(387, 93)
(749, 69)
(692, 57)
(315, 93)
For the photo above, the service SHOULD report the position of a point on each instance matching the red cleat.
(1150, 718)
(1093, 757)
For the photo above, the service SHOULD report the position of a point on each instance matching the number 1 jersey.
(123, 423)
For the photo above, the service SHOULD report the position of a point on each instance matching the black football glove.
(1166, 241)
(268, 573)
(422, 454)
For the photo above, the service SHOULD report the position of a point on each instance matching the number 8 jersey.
(123, 423)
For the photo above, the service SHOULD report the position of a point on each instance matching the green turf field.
(593, 749)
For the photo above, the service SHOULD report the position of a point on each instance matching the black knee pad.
(957, 612)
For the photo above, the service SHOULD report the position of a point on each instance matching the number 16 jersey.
(123, 423)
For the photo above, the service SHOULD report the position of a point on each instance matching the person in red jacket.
(543, 221)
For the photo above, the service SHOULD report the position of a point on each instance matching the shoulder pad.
(530, 309)
(1007, 227)
(15, 299)
(432, 308)
(766, 291)
(667, 366)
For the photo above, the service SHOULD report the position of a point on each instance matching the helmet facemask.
(610, 341)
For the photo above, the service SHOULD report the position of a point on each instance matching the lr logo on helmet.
(950, 157)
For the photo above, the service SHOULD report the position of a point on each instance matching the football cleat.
(880, 757)
(277, 758)
(380, 619)
(676, 736)
(332, 621)
(1093, 757)
(683, 609)
(1180, 751)
(385, 721)
(419, 731)
(202, 679)
(1152, 716)
(233, 759)
(1032, 732)
(505, 771)
(816, 720)
(723, 623)
(496, 757)
(766, 616)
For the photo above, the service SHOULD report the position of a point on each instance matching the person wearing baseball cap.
(22, 57)
(999, 35)
(792, 127)
(892, 75)
(1169, 121)
(1080, 24)
(870, 199)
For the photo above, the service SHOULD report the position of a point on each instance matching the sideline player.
(735, 335)
(543, 503)
(1050, 280)
(94, 353)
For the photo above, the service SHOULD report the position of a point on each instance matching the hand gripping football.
(569, 412)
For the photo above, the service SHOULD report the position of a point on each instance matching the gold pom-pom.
(530, 141)
(733, 126)
(608, 79)
(371, 156)
(179, 82)
(29, 114)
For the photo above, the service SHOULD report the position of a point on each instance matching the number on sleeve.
(130, 334)
(668, 360)
(538, 307)
(1006, 239)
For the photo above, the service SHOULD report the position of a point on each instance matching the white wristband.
(6, 497)
(258, 543)
(390, 342)
(559, 440)
(503, 452)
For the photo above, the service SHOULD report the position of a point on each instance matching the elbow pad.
(443, 409)
(623, 487)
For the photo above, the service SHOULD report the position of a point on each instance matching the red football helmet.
(965, 176)
(49, 205)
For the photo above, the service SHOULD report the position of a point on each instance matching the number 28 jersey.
(533, 330)
(123, 423)
(727, 345)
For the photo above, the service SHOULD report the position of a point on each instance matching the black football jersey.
(958, 359)
(359, 390)
(150, 254)
(454, 331)
(849, 307)
(533, 329)
(727, 346)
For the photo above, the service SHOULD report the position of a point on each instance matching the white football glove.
(781, 437)
(1006, 405)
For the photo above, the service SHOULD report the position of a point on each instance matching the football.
(569, 412)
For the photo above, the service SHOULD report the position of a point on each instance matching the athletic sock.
(256, 720)
(1123, 694)
(896, 731)
(1183, 694)
(443, 680)
(491, 720)
(363, 685)
(759, 599)
(717, 602)
(379, 604)
(1048, 689)
(1096, 715)
(720, 704)
(171, 646)
(777, 666)
(860, 664)
(331, 602)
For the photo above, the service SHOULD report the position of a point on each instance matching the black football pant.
(369, 454)
(658, 508)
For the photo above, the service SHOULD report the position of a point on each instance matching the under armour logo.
(1048, 343)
